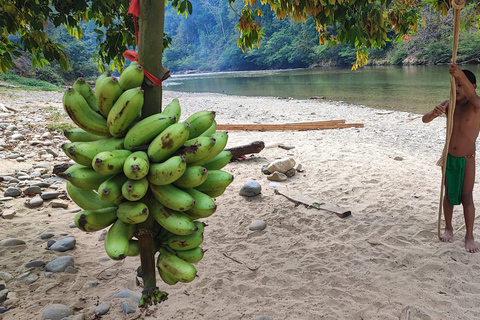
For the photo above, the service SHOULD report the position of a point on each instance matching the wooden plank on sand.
(319, 125)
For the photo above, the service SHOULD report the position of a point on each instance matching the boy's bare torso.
(466, 126)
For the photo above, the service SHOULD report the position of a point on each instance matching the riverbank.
(383, 262)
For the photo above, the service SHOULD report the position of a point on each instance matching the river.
(414, 89)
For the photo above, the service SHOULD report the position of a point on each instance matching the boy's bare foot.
(470, 246)
(447, 236)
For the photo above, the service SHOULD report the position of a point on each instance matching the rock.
(59, 204)
(32, 190)
(50, 195)
(35, 264)
(277, 176)
(31, 278)
(129, 307)
(47, 235)
(71, 270)
(281, 165)
(251, 188)
(5, 276)
(59, 264)
(257, 225)
(265, 169)
(35, 202)
(8, 214)
(9, 242)
(102, 308)
(129, 294)
(56, 312)
(93, 283)
(3, 296)
(51, 242)
(64, 244)
(12, 192)
(290, 173)
(18, 136)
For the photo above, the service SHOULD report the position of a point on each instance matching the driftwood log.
(301, 126)
(253, 147)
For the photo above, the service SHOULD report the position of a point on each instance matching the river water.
(414, 89)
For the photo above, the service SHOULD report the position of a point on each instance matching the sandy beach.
(383, 262)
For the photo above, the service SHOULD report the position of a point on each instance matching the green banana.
(204, 206)
(168, 141)
(86, 199)
(192, 177)
(132, 212)
(110, 162)
(107, 93)
(86, 178)
(82, 115)
(125, 110)
(118, 238)
(134, 190)
(172, 197)
(219, 161)
(200, 122)
(84, 152)
(168, 171)
(111, 189)
(166, 278)
(82, 87)
(221, 139)
(145, 130)
(94, 220)
(173, 221)
(131, 77)
(78, 134)
(175, 267)
(197, 148)
(101, 77)
(216, 179)
(133, 248)
(193, 255)
(215, 193)
(136, 165)
(187, 242)
(211, 130)
(173, 109)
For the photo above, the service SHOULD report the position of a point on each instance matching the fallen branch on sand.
(253, 147)
(315, 125)
(240, 262)
(315, 205)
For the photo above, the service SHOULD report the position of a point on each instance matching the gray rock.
(64, 244)
(71, 270)
(41, 184)
(35, 202)
(18, 136)
(35, 264)
(5, 276)
(23, 275)
(47, 235)
(257, 225)
(129, 307)
(93, 283)
(3, 296)
(102, 308)
(11, 242)
(33, 190)
(129, 294)
(51, 242)
(50, 195)
(12, 192)
(3, 310)
(251, 188)
(32, 278)
(56, 312)
(59, 264)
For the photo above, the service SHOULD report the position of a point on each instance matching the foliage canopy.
(362, 23)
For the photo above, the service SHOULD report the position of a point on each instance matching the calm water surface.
(412, 88)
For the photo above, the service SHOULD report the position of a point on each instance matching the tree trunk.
(150, 48)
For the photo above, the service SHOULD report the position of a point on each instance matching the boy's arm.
(467, 86)
(437, 111)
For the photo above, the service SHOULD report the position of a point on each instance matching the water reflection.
(412, 88)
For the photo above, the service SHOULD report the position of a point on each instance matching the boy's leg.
(447, 235)
(468, 205)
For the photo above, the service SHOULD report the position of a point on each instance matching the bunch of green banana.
(155, 176)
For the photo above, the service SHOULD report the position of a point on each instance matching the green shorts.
(454, 175)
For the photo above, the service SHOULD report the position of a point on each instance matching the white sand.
(383, 262)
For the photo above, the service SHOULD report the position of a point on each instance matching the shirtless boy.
(460, 168)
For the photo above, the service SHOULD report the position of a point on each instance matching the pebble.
(50, 195)
(9, 242)
(277, 176)
(35, 202)
(129, 294)
(46, 235)
(12, 192)
(64, 244)
(257, 225)
(8, 214)
(93, 283)
(102, 308)
(5, 276)
(35, 264)
(59, 264)
(251, 188)
(56, 312)
(129, 307)
(33, 190)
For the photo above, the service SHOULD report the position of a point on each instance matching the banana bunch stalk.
(148, 181)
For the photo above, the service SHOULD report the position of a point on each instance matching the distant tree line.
(207, 41)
